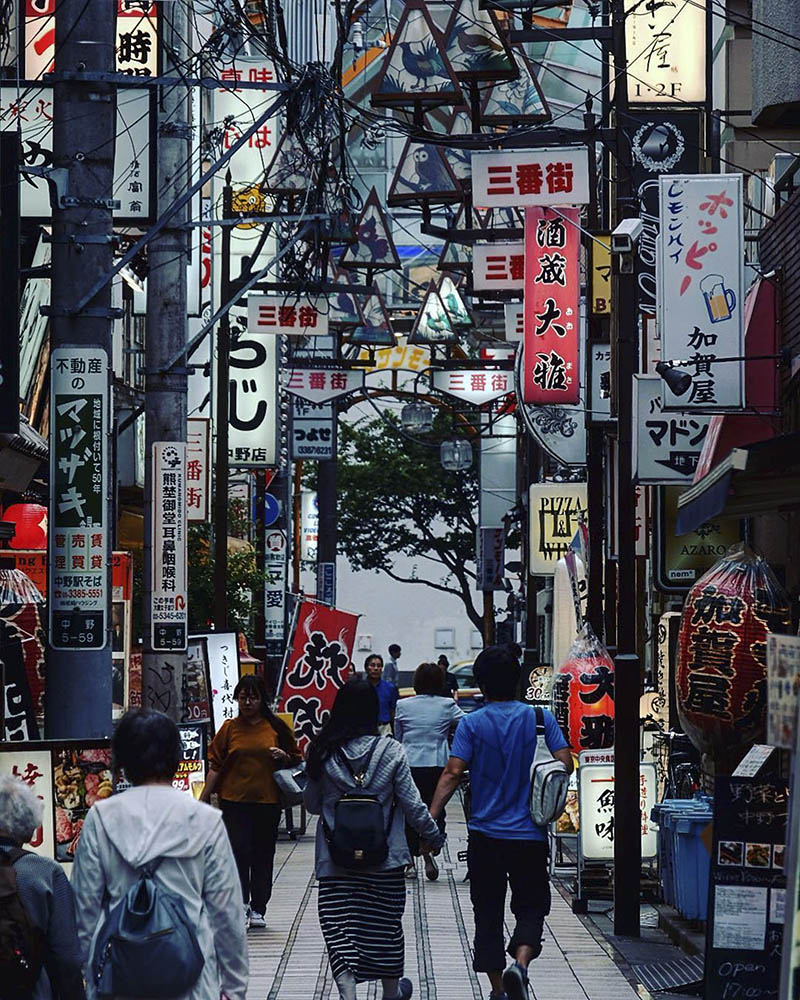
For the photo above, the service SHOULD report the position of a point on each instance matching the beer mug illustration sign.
(720, 301)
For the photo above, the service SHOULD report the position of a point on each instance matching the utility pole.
(221, 468)
(627, 684)
(78, 697)
(165, 383)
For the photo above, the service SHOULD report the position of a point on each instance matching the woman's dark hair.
(251, 682)
(354, 713)
(443, 661)
(497, 672)
(428, 679)
(146, 745)
(373, 656)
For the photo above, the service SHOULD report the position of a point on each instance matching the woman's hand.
(278, 756)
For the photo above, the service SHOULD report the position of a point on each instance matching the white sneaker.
(247, 916)
(257, 919)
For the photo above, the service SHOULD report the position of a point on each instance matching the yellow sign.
(556, 511)
(601, 274)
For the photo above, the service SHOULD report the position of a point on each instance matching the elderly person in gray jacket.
(361, 912)
(155, 822)
(44, 892)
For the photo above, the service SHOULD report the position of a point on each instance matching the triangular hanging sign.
(453, 302)
(374, 248)
(423, 173)
(458, 256)
(519, 100)
(343, 308)
(375, 327)
(432, 325)
(415, 69)
(475, 47)
(290, 170)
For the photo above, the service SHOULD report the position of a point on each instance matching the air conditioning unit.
(777, 168)
(364, 643)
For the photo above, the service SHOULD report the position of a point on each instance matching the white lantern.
(417, 417)
(456, 455)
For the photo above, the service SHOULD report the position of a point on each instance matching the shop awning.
(20, 457)
(757, 479)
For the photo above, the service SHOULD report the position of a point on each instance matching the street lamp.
(679, 382)
(417, 417)
(456, 455)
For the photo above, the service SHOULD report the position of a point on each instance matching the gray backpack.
(549, 780)
(147, 947)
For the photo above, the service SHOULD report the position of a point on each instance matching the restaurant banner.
(319, 664)
(701, 288)
(551, 373)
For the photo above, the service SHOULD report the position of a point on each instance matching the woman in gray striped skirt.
(361, 912)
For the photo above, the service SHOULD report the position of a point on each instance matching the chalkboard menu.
(748, 888)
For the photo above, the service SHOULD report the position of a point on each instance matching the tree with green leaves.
(394, 498)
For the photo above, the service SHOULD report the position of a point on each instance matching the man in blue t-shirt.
(387, 693)
(497, 743)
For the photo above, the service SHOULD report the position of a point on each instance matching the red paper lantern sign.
(31, 525)
(583, 694)
(722, 653)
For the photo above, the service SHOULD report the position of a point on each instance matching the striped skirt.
(361, 916)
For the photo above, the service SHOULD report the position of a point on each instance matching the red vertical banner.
(318, 666)
(552, 311)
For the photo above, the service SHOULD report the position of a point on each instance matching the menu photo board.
(744, 938)
(191, 774)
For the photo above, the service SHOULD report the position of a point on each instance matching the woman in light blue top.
(422, 724)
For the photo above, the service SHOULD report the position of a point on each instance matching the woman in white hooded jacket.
(155, 822)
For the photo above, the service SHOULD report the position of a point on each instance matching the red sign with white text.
(318, 666)
(552, 312)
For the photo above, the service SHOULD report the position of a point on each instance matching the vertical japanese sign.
(275, 553)
(309, 526)
(168, 611)
(556, 511)
(601, 274)
(222, 649)
(551, 372)
(137, 38)
(326, 583)
(783, 689)
(596, 807)
(253, 414)
(198, 468)
(490, 557)
(666, 47)
(701, 287)
(79, 580)
(318, 666)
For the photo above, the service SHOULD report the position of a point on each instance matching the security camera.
(626, 236)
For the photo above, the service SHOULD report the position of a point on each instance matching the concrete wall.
(776, 66)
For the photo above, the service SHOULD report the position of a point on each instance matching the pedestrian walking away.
(422, 724)
(43, 914)
(243, 758)
(391, 670)
(498, 744)
(352, 775)
(449, 681)
(387, 693)
(155, 829)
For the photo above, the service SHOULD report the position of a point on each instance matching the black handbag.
(291, 781)
(359, 839)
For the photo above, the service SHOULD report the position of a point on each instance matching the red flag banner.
(552, 317)
(318, 666)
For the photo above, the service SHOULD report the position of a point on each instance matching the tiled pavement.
(288, 960)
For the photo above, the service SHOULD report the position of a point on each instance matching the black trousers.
(253, 832)
(493, 864)
(426, 779)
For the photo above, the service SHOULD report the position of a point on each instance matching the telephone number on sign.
(68, 594)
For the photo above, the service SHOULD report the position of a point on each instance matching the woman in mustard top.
(242, 758)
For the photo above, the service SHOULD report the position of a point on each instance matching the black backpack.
(21, 942)
(359, 838)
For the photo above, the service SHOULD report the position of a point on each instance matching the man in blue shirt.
(387, 693)
(497, 743)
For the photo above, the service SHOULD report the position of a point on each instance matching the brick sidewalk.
(288, 960)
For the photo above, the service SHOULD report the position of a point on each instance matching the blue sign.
(272, 509)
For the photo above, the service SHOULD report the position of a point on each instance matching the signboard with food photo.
(80, 778)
